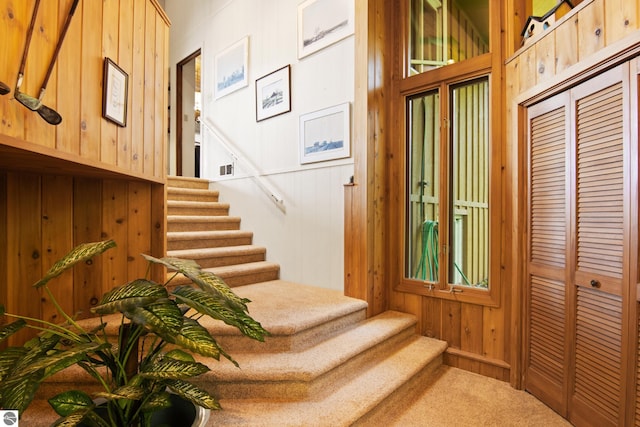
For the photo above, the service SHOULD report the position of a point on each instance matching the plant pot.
(181, 413)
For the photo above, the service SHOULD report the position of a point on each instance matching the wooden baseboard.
(478, 364)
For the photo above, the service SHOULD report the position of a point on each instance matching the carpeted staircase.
(325, 364)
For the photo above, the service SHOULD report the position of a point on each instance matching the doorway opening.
(188, 109)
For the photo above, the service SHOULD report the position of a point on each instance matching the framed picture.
(231, 68)
(273, 94)
(322, 23)
(325, 134)
(115, 84)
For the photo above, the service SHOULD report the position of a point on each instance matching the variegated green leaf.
(169, 368)
(206, 280)
(18, 392)
(208, 304)
(71, 401)
(197, 339)
(124, 392)
(126, 298)
(180, 355)
(194, 394)
(78, 254)
(11, 328)
(60, 357)
(163, 318)
(156, 401)
(37, 347)
(8, 359)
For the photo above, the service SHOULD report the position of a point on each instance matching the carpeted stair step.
(307, 374)
(217, 257)
(297, 317)
(343, 404)
(187, 182)
(237, 274)
(181, 207)
(207, 239)
(192, 194)
(202, 223)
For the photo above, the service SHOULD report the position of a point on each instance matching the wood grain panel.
(598, 352)
(91, 101)
(87, 223)
(591, 30)
(138, 228)
(159, 92)
(471, 334)
(69, 71)
(125, 61)
(620, 19)
(57, 240)
(452, 323)
(24, 249)
(149, 86)
(114, 226)
(566, 44)
(136, 83)
(545, 51)
(110, 45)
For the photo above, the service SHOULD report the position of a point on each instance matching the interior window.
(447, 185)
(444, 32)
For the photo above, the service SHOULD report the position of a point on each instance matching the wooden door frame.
(179, 67)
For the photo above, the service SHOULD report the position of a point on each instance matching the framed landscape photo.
(231, 70)
(114, 93)
(325, 134)
(273, 94)
(322, 23)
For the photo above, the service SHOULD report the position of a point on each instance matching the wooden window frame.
(490, 65)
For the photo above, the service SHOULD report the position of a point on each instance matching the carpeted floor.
(460, 398)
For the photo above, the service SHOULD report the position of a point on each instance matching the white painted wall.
(308, 240)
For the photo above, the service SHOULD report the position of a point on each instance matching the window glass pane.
(469, 204)
(423, 200)
(443, 32)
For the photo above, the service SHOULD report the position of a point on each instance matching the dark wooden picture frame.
(115, 87)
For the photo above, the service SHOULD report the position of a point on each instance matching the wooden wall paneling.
(545, 57)
(158, 225)
(632, 403)
(620, 19)
(12, 29)
(566, 44)
(45, 37)
(139, 225)
(68, 75)
(528, 69)
(494, 333)
(159, 92)
(408, 303)
(125, 60)
(149, 86)
(591, 29)
(57, 240)
(114, 226)
(136, 85)
(87, 223)
(110, 45)
(24, 249)
(432, 317)
(451, 323)
(471, 328)
(92, 62)
(4, 255)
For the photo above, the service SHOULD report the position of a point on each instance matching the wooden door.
(578, 252)
(600, 266)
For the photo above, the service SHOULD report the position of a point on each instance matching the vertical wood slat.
(136, 84)
(69, 70)
(620, 19)
(114, 226)
(138, 228)
(23, 248)
(57, 240)
(125, 61)
(110, 45)
(87, 219)
(91, 101)
(4, 255)
(149, 87)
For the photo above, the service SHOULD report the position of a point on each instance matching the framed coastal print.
(322, 23)
(273, 94)
(231, 68)
(325, 134)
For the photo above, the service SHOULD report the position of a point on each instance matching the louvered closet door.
(546, 372)
(601, 218)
